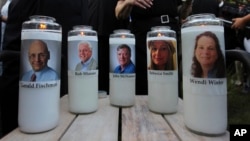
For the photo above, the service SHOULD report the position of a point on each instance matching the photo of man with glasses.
(38, 56)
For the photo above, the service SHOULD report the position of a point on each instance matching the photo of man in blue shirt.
(39, 55)
(124, 59)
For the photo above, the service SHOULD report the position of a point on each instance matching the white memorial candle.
(83, 69)
(39, 85)
(205, 98)
(162, 70)
(122, 82)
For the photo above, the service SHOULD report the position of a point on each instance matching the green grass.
(238, 101)
(238, 108)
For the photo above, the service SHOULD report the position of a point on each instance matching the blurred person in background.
(192, 7)
(207, 6)
(240, 22)
(3, 19)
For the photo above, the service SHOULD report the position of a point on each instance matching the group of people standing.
(139, 16)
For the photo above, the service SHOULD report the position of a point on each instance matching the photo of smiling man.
(124, 59)
(38, 56)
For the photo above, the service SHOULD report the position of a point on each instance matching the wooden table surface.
(110, 123)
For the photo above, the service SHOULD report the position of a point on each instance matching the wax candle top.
(202, 20)
(41, 22)
(122, 33)
(82, 30)
(161, 31)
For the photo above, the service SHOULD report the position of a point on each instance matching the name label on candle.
(206, 82)
(88, 73)
(85, 73)
(163, 76)
(161, 72)
(115, 75)
(38, 84)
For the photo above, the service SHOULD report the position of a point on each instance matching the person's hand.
(140, 3)
(3, 18)
(124, 7)
(183, 21)
(143, 3)
(238, 23)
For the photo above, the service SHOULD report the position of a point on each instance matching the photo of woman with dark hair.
(208, 60)
(161, 55)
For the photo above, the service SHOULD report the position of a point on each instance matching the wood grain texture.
(177, 122)
(53, 135)
(101, 125)
(139, 124)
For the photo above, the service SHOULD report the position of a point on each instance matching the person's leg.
(103, 63)
(64, 76)
(9, 96)
(0, 113)
(141, 65)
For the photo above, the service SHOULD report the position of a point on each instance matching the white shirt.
(4, 12)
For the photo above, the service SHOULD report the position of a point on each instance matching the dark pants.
(103, 63)
(9, 96)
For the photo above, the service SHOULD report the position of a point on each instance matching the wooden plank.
(139, 124)
(177, 122)
(101, 125)
(65, 120)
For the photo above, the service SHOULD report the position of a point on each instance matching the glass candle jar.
(204, 77)
(39, 85)
(162, 70)
(122, 68)
(83, 69)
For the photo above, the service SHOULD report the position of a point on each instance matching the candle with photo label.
(162, 70)
(39, 85)
(204, 78)
(122, 68)
(83, 69)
